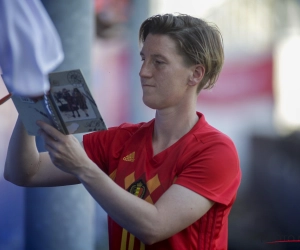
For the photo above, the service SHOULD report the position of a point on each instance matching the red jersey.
(204, 160)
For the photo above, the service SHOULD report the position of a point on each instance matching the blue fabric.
(30, 47)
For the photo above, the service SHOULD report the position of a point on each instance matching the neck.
(170, 126)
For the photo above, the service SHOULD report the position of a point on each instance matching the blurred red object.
(242, 80)
(109, 14)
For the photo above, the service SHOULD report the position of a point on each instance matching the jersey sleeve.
(104, 147)
(213, 171)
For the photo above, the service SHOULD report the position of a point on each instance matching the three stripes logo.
(129, 157)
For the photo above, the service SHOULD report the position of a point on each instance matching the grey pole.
(63, 217)
(139, 12)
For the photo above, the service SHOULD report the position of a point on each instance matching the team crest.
(138, 188)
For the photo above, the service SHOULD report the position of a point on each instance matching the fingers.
(49, 130)
(50, 136)
(50, 143)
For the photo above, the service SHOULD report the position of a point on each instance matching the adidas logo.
(129, 157)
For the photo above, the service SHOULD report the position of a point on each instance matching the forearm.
(132, 213)
(22, 158)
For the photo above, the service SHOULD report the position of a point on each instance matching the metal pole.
(63, 217)
(138, 110)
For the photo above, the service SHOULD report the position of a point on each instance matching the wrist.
(90, 170)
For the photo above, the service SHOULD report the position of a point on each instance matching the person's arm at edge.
(25, 166)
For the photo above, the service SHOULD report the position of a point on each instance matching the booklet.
(68, 106)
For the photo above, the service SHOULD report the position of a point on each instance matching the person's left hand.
(65, 151)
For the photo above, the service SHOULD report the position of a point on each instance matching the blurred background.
(255, 101)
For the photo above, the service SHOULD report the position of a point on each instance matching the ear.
(197, 74)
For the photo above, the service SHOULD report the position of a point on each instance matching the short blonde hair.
(198, 41)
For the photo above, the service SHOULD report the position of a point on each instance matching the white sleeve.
(30, 46)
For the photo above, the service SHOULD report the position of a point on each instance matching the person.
(79, 100)
(72, 105)
(169, 183)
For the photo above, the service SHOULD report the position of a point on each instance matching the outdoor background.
(255, 101)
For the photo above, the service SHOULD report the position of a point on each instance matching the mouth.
(147, 85)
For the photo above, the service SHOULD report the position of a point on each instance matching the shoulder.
(209, 136)
(210, 165)
(120, 133)
(127, 130)
(212, 150)
(103, 146)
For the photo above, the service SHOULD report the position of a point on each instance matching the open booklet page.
(68, 106)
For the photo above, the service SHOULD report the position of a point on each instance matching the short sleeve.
(105, 147)
(213, 170)
(93, 144)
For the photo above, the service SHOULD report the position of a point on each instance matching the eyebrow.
(156, 56)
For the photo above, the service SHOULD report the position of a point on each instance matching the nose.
(145, 70)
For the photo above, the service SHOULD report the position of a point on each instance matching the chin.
(150, 103)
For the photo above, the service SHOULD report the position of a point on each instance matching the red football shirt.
(204, 160)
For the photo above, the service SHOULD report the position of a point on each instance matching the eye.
(158, 62)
